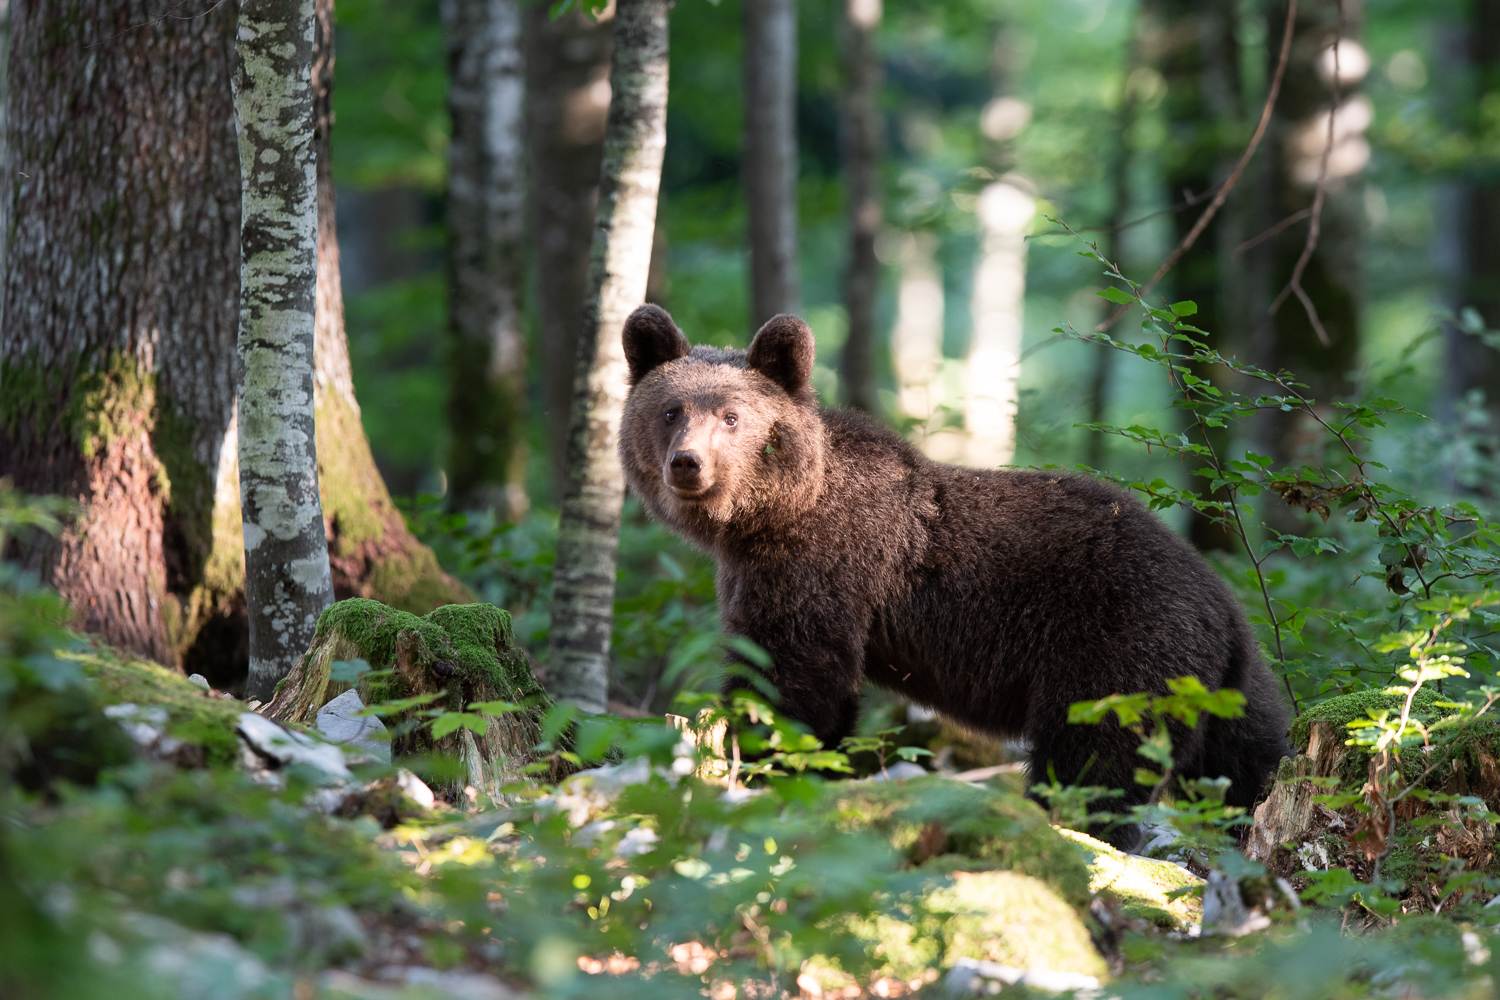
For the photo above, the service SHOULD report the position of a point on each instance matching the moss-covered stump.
(462, 653)
(1142, 886)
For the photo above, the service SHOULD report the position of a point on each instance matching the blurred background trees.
(897, 171)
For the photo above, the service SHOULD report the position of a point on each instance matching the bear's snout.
(685, 471)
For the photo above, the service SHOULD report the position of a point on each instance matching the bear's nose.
(686, 465)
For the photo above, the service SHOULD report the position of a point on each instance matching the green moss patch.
(1341, 711)
(1140, 884)
(192, 716)
(952, 824)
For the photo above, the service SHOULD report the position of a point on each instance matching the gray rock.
(414, 983)
(340, 721)
(285, 747)
(199, 680)
(900, 769)
(973, 977)
(195, 966)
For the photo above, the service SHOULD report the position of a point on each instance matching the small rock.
(340, 721)
(973, 977)
(276, 743)
(199, 680)
(1224, 909)
(415, 789)
(900, 770)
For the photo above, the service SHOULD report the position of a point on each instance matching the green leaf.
(1116, 295)
(402, 704)
(450, 722)
(1186, 308)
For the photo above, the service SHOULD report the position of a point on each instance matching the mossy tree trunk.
(635, 140)
(287, 578)
(862, 139)
(370, 549)
(121, 297)
(486, 257)
(770, 159)
(1193, 45)
(567, 101)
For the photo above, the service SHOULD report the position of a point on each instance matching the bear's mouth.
(689, 492)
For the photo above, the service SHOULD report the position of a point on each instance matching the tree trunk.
(1193, 45)
(917, 337)
(862, 140)
(1332, 275)
(287, 577)
(997, 308)
(1474, 231)
(568, 89)
(486, 225)
(588, 535)
(1006, 208)
(371, 551)
(121, 297)
(770, 163)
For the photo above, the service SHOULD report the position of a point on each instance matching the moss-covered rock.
(460, 653)
(952, 824)
(192, 716)
(1142, 885)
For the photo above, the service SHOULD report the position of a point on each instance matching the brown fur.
(996, 597)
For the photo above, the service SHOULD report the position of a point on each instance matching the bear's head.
(715, 439)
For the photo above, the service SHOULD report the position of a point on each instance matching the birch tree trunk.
(861, 141)
(120, 297)
(997, 309)
(568, 90)
(1298, 151)
(1005, 208)
(635, 139)
(770, 163)
(917, 337)
(371, 551)
(287, 578)
(486, 226)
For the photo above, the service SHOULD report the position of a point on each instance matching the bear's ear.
(651, 339)
(783, 352)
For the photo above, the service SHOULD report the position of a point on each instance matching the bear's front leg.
(816, 664)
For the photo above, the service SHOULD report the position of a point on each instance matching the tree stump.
(463, 653)
(1288, 812)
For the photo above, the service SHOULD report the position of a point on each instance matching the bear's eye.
(673, 414)
(730, 420)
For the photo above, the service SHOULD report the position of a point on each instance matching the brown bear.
(996, 597)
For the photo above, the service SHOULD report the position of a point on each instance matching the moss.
(964, 826)
(1140, 884)
(1348, 708)
(350, 497)
(93, 405)
(1016, 920)
(468, 635)
(192, 716)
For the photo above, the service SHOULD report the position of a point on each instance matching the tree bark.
(371, 551)
(862, 140)
(770, 163)
(121, 296)
(1193, 45)
(1299, 139)
(588, 533)
(917, 337)
(486, 225)
(568, 91)
(1474, 229)
(287, 578)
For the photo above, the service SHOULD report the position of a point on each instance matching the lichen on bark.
(287, 577)
(588, 531)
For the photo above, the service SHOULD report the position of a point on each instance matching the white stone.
(415, 789)
(340, 721)
(271, 740)
(899, 770)
(199, 680)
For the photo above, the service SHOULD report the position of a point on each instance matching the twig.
(1239, 168)
(1275, 230)
(168, 16)
(1315, 228)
